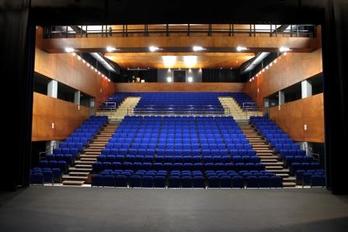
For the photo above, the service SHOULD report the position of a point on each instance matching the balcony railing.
(252, 30)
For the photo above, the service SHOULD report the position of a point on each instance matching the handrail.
(132, 111)
(108, 103)
(184, 29)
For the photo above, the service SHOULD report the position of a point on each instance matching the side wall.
(291, 117)
(303, 119)
(68, 70)
(66, 116)
(179, 87)
(54, 119)
(289, 70)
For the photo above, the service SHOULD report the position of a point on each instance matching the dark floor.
(51, 209)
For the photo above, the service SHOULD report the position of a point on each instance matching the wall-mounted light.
(169, 79)
(69, 49)
(241, 48)
(153, 48)
(190, 79)
(284, 49)
(197, 48)
(110, 49)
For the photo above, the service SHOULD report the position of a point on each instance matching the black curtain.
(220, 75)
(17, 57)
(335, 37)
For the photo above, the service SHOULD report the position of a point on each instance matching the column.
(281, 98)
(77, 97)
(306, 89)
(52, 89)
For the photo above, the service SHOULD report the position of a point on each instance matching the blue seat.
(36, 178)
(252, 182)
(186, 181)
(159, 181)
(147, 181)
(174, 182)
(225, 181)
(213, 182)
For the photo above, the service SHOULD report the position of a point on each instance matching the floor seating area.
(66, 153)
(307, 170)
(179, 103)
(183, 151)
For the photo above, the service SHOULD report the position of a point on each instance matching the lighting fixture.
(284, 49)
(69, 49)
(169, 61)
(241, 48)
(169, 79)
(190, 61)
(110, 49)
(153, 48)
(190, 79)
(198, 48)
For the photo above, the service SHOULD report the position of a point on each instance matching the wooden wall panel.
(67, 69)
(98, 44)
(292, 117)
(65, 115)
(179, 87)
(289, 70)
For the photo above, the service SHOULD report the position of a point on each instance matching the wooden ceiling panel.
(204, 59)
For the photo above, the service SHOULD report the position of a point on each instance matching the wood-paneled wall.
(67, 69)
(289, 70)
(179, 87)
(292, 117)
(65, 115)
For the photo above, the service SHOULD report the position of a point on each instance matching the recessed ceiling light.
(241, 48)
(169, 70)
(110, 49)
(69, 49)
(200, 70)
(198, 48)
(153, 48)
(169, 61)
(190, 61)
(169, 79)
(284, 49)
(190, 70)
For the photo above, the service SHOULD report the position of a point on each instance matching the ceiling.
(203, 59)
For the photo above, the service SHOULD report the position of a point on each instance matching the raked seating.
(290, 152)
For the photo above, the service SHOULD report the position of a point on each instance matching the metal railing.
(108, 106)
(251, 30)
(251, 109)
(174, 112)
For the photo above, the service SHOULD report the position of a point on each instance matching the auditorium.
(135, 117)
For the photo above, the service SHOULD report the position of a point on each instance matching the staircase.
(232, 108)
(126, 108)
(79, 173)
(267, 154)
